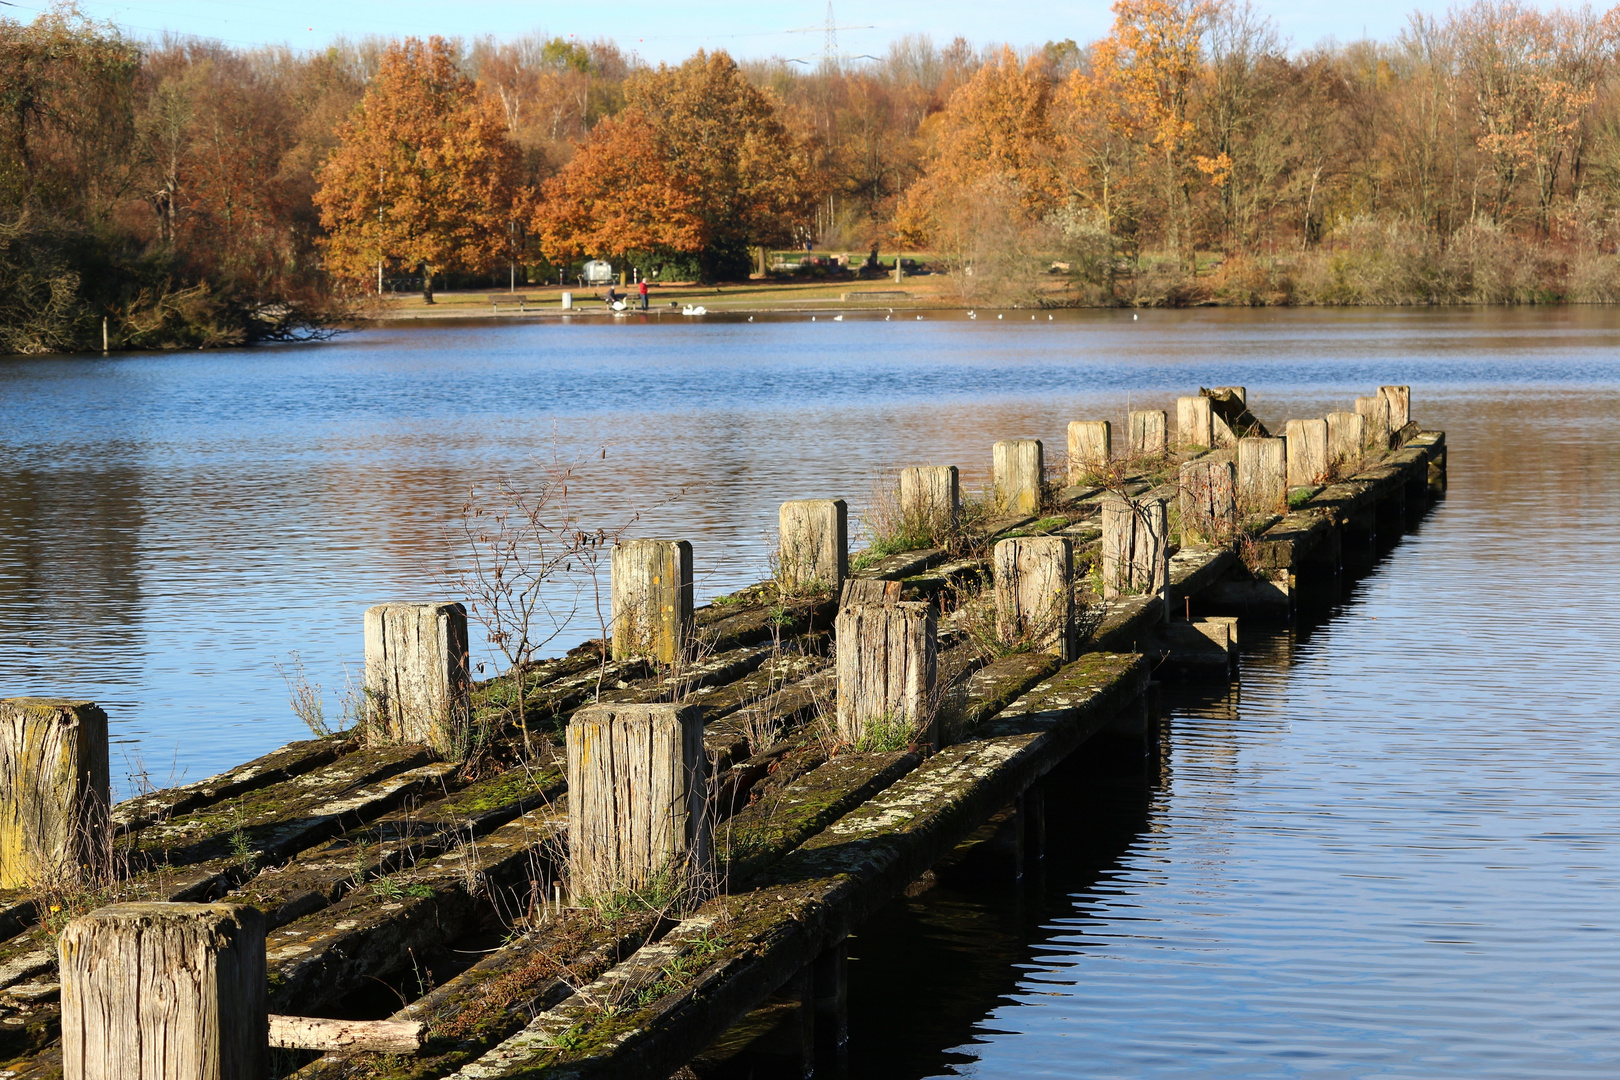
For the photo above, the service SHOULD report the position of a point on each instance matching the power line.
(831, 59)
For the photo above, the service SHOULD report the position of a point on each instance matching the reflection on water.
(1393, 850)
(1395, 855)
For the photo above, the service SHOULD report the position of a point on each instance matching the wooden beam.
(347, 1036)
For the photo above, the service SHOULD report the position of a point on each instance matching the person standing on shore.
(643, 290)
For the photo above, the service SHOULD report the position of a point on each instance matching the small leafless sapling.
(528, 566)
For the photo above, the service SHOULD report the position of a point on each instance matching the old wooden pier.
(718, 796)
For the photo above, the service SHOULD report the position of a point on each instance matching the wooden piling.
(830, 970)
(1375, 413)
(418, 689)
(813, 550)
(1227, 405)
(1262, 476)
(1307, 452)
(54, 791)
(1398, 402)
(158, 991)
(1347, 441)
(1020, 465)
(652, 599)
(638, 792)
(887, 667)
(1208, 499)
(1195, 422)
(1034, 592)
(1135, 549)
(930, 494)
(1147, 432)
(1089, 450)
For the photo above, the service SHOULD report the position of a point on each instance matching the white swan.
(838, 318)
(698, 310)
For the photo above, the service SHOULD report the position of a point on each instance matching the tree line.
(185, 193)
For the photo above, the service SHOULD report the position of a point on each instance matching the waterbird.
(919, 318)
(698, 310)
(812, 318)
(1134, 316)
(750, 318)
(838, 318)
(973, 314)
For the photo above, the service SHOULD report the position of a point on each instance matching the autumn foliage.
(618, 194)
(700, 162)
(189, 193)
(424, 174)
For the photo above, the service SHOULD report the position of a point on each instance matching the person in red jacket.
(643, 294)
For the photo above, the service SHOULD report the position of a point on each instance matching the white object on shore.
(690, 310)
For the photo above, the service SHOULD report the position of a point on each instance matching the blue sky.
(671, 31)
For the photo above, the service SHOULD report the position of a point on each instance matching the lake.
(1392, 849)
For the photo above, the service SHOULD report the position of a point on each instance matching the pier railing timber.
(376, 871)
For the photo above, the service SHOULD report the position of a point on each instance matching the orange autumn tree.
(1141, 76)
(707, 147)
(425, 174)
(990, 178)
(618, 194)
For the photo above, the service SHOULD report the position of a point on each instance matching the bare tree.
(528, 566)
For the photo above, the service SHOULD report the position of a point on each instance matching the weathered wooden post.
(1227, 396)
(1398, 402)
(1147, 432)
(930, 493)
(1307, 452)
(1136, 549)
(418, 689)
(638, 796)
(1035, 592)
(1262, 476)
(887, 667)
(1347, 440)
(1195, 422)
(1375, 412)
(54, 791)
(158, 991)
(1208, 500)
(814, 546)
(1089, 450)
(652, 599)
(1020, 465)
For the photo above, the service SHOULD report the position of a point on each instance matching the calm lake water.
(1392, 850)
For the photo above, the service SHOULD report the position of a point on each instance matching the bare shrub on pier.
(529, 566)
(308, 701)
(888, 526)
(969, 608)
